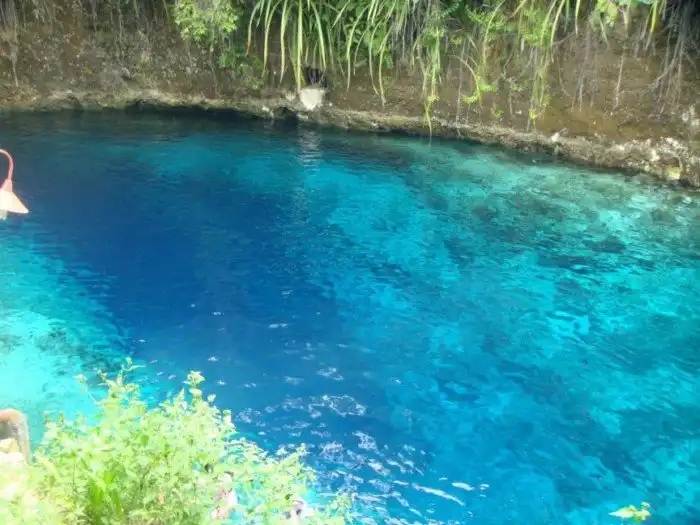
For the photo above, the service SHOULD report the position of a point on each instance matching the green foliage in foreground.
(136, 465)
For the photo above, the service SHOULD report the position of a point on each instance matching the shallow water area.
(51, 331)
(459, 335)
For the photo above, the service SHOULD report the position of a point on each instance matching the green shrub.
(497, 44)
(208, 23)
(131, 464)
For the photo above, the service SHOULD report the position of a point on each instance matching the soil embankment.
(66, 64)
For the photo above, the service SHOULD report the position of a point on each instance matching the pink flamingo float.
(9, 202)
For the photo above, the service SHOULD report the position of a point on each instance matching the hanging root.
(680, 43)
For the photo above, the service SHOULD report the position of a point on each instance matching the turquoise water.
(458, 335)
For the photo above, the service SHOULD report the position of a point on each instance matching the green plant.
(131, 464)
(304, 28)
(208, 23)
(491, 40)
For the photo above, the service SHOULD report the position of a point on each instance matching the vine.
(505, 46)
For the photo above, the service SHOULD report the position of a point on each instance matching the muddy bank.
(51, 68)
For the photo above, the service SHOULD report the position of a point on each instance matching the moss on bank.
(617, 95)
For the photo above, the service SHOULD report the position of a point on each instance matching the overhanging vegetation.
(509, 45)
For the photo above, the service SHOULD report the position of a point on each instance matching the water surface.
(459, 335)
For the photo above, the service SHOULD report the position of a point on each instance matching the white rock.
(690, 117)
(312, 97)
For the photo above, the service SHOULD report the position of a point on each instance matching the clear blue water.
(459, 335)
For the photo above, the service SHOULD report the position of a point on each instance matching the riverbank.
(667, 159)
(53, 67)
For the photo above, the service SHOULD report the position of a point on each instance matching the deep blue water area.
(459, 335)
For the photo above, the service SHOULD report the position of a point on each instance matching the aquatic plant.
(131, 463)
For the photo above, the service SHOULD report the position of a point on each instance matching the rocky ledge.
(668, 159)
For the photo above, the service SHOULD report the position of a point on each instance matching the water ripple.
(458, 335)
